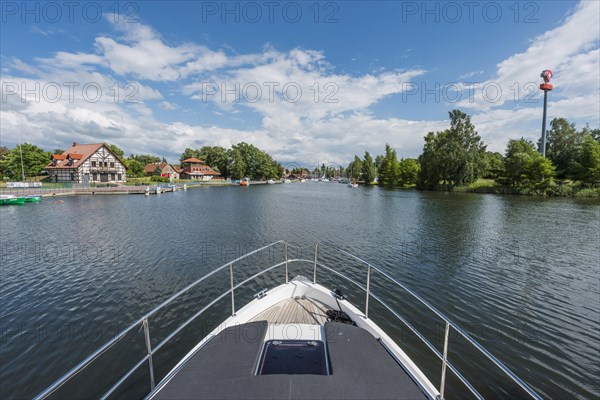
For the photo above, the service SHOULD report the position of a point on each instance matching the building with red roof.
(194, 168)
(163, 169)
(86, 163)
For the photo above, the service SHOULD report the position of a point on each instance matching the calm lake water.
(520, 274)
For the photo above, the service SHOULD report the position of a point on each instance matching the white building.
(86, 163)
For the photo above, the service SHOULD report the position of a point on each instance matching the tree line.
(457, 157)
(243, 160)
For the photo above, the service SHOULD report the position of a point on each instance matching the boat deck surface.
(297, 310)
(224, 368)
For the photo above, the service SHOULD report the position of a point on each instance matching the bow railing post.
(315, 269)
(444, 361)
(285, 253)
(368, 291)
(149, 350)
(232, 294)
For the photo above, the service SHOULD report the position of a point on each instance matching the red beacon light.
(546, 75)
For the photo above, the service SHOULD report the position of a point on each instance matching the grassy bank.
(555, 189)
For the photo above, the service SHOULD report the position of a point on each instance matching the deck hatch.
(293, 357)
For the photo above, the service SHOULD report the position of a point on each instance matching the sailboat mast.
(22, 167)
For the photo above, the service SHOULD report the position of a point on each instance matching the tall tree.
(564, 144)
(116, 150)
(135, 168)
(523, 165)
(35, 161)
(493, 163)
(355, 168)
(588, 170)
(454, 156)
(389, 168)
(216, 157)
(143, 158)
(408, 172)
(189, 153)
(369, 173)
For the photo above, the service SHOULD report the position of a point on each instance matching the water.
(520, 274)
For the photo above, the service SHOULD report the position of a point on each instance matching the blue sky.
(385, 72)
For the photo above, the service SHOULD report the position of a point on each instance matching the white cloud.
(577, 37)
(308, 130)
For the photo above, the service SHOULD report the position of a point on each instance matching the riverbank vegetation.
(456, 159)
(242, 160)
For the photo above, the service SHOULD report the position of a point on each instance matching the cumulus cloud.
(331, 120)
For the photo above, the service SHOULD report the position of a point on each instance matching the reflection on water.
(519, 273)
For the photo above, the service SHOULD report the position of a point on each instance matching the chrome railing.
(144, 324)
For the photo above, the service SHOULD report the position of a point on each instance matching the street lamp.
(546, 87)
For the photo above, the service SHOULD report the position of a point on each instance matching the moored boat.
(33, 199)
(9, 199)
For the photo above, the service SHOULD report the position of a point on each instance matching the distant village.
(96, 163)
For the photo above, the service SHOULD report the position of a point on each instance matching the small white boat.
(287, 181)
(353, 185)
(271, 182)
(297, 339)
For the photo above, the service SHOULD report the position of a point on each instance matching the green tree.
(143, 158)
(35, 160)
(523, 165)
(493, 163)
(564, 144)
(453, 156)
(389, 168)
(368, 171)
(237, 164)
(58, 150)
(189, 153)
(588, 170)
(216, 157)
(115, 150)
(135, 168)
(355, 168)
(408, 172)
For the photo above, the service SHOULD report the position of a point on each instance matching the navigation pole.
(546, 87)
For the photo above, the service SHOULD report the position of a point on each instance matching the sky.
(309, 82)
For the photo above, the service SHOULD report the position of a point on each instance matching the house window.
(106, 163)
(93, 163)
(95, 177)
(118, 177)
(112, 164)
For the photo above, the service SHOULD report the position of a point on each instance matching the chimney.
(74, 144)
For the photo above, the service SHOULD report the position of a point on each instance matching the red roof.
(193, 160)
(150, 168)
(78, 153)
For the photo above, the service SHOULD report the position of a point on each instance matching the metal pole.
(444, 361)
(232, 295)
(544, 124)
(315, 270)
(368, 290)
(285, 250)
(149, 349)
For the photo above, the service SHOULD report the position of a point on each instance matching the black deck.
(224, 369)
